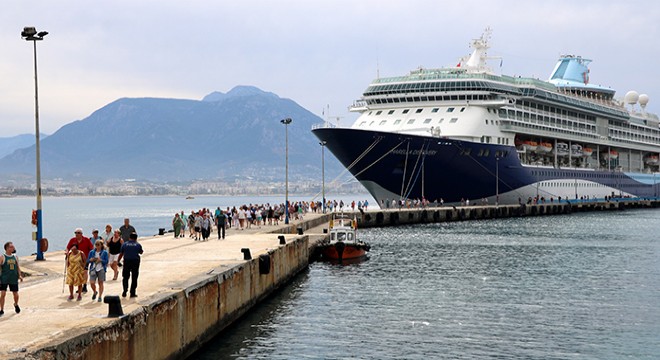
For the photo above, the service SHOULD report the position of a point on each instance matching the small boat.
(544, 147)
(529, 145)
(613, 155)
(576, 150)
(343, 244)
(562, 149)
(651, 159)
(189, 197)
(587, 151)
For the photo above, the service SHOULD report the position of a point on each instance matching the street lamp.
(322, 143)
(286, 123)
(31, 34)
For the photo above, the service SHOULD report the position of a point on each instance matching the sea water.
(148, 214)
(579, 286)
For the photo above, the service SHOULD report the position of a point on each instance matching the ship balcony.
(561, 131)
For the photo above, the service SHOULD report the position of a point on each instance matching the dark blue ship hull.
(398, 166)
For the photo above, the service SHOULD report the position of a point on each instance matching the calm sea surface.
(63, 214)
(581, 286)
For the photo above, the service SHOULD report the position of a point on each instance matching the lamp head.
(28, 31)
(286, 121)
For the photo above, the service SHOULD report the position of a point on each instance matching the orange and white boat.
(544, 147)
(529, 145)
(343, 244)
(651, 159)
(612, 155)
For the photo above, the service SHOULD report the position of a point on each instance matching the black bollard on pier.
(114, 305)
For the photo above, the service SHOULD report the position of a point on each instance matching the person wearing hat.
(95, 236)
(84, 244)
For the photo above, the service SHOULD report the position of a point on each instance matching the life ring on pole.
(44, 245)
(34, 217)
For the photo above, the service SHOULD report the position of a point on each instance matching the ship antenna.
(377, 67)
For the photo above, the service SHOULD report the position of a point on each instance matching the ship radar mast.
(476, 61)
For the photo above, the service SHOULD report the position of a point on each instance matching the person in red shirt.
(85, 245)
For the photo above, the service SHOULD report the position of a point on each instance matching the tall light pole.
(322, 143)
(31, 34)
(286, 123)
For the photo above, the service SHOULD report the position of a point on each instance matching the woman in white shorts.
(114, 248)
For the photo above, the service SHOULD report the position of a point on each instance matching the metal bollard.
(114, 305)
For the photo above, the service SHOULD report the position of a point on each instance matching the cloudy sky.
(314, 52)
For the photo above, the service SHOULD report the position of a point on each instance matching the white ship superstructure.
(564, 137)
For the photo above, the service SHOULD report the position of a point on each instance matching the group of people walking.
(86, 259)
(90, 258)
(200, 223)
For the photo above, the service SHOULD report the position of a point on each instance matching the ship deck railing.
(323, 125)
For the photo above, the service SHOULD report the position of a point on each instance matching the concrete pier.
(395, 217)
(188, 292)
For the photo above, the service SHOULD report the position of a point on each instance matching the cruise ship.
(466, 133)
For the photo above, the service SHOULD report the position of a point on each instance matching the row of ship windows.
(500, 140)
(427, 86)
(534, 107)
(634, 127)
(548, 128)
(484, 152)
(569, 184)
(624, 135)
(408, 122)
(396, 100)
(583, 185)
(586, 175)
(548, 120)
(418, 111)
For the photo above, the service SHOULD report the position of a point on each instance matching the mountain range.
(10, 144)
(222, 136)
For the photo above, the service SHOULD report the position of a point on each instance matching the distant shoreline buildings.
(239, 187)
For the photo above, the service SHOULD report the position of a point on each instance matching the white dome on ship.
(643, 100)
(631, 97)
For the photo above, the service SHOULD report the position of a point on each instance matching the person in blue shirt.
(97, 262)
(130, 252)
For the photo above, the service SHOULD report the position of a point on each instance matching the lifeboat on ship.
(561, 149)
(612, 155)
(587, 151)
(576, 150)
(343, 244)
(651, 159)
(544, 147)
(529, 145)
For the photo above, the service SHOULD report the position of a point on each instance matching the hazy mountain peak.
(214, 96)
(240, 90)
